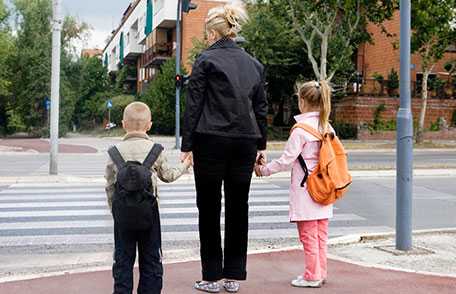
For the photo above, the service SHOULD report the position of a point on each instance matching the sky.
(102, 16)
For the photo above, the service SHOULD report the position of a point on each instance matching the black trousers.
(150, 259)
(228, 161)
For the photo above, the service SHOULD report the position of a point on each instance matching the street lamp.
(185, 6)
(404, 154)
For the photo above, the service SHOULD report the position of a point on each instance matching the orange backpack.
(331, 178)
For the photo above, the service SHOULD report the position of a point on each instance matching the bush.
(161, 98)
(393, 82)
(453, 119)
(345, 130)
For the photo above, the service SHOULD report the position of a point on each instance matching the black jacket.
(226, 96)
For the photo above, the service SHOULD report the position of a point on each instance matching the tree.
(6, 47)
(93, 91)
(32, 64)
(433, 30)
(160, 96)
(332, 29)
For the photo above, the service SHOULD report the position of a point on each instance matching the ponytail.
(325, 105)
(318, 95)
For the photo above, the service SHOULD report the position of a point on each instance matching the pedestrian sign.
(109, 104)
(47, 104)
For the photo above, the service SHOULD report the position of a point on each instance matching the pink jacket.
(302, 207)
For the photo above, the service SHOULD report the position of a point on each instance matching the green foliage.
(393, 82)
(435, 126)
(118, 105)
(93, 91)
(345, 131)
(332, 29)
(272, 40)
(25, 67)
(378, 123)
(378, 77)
(125, 79)
(433, 29)
(160, 96)
(198, 46)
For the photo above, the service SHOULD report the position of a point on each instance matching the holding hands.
(187, 159)
(260, 161)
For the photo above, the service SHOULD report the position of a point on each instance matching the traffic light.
(187, 5)
(181, 80)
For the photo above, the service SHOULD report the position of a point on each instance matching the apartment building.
(146, 37)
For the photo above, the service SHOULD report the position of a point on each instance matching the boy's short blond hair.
(137, 116)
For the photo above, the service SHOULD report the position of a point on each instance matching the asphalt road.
(48, 226)
(22, 164)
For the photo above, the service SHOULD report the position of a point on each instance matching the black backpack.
(134, 202)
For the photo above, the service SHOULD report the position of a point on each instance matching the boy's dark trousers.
(150, 259)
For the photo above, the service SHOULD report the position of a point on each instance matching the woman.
(225, 129)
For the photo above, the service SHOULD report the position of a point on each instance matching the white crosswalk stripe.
(76, 214)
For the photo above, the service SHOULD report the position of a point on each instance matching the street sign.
(47, 103)
(109, 104)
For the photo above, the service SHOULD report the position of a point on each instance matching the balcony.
(157, 55)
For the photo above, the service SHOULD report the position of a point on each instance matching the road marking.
(276, 219)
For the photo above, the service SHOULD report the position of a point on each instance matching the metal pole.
(55, 87)
(404, 180)
(178, 71)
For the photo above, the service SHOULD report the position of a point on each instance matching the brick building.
(91, 53)
(146, 37)
(379, 58)
(383, 55)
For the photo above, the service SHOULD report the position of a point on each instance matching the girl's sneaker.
(303, 283)
(231, 286)
(209, 287)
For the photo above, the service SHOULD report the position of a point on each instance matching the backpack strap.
(153, 155)
(308, 129)
(303, 164)
(116, 157)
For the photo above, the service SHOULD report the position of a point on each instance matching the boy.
(131, 188)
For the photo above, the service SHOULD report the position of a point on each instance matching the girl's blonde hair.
(317, 94)
(226, 20)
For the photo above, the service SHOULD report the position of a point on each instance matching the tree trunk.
(424, 96)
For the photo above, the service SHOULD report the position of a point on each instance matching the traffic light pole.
(404, 183)
(55, 87)
(178, 70)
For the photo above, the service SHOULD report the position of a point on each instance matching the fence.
(438, 89)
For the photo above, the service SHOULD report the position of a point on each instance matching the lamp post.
(55, 87)
(404, 154)
(182, 6)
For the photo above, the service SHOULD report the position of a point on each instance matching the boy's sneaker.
(231, 286)
(303, 283)
(209, 287)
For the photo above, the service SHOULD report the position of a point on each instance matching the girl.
(310, 217)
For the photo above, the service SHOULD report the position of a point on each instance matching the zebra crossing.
(75, 214)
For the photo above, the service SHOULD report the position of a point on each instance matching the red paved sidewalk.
(42, 146)
(268, 274)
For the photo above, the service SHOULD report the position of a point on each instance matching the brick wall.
(194, 25)
(360, 110)
(382, 56)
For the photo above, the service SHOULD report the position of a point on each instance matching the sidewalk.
(269, 273)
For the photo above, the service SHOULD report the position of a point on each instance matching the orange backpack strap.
(308, 129)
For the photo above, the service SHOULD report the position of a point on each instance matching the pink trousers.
(314, 237)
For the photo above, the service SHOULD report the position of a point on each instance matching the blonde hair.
(226, 20)
(318, 94)
(137, 115)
